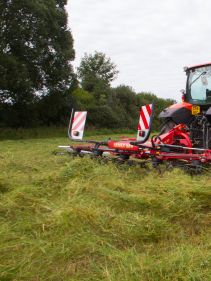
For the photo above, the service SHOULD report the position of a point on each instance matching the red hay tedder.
(184, 139)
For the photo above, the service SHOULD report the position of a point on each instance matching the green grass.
(64, 218)
(52, 132)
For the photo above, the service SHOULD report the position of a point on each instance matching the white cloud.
(150, 41)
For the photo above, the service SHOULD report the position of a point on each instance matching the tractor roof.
(197, 65)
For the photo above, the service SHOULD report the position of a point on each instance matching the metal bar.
(70, 124)
(182, 147)
(184, 156)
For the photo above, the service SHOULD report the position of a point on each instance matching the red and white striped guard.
(144, 125)
(78, 125)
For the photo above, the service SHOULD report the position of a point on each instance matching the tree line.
(38, 86)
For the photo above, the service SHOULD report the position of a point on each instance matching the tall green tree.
(123, 103)
(36, 48)
(96, 72)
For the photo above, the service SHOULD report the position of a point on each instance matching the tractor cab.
(195, 110)
(198, 86)
(196, 100)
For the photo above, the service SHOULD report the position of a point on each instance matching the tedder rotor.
(184, 139)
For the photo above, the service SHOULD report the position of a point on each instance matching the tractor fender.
(179, 113)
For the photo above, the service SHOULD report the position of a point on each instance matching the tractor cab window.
(199, 85)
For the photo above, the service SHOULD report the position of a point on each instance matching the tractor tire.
(167, 126)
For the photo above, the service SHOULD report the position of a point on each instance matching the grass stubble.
(64, 218)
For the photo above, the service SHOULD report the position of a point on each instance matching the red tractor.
(195, 109)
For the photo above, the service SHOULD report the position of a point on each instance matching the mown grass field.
(73, 219)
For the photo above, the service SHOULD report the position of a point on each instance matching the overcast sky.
(149, 41)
